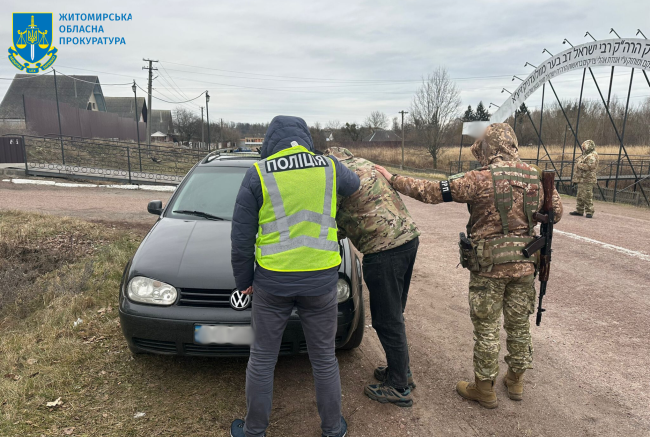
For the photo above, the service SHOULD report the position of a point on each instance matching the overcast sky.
(332, 60)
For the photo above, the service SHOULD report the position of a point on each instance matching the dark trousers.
(270, 315)
(388, 277)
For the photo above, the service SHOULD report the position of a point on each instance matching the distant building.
(84, 93)
(162, 122)
(124, 107)
(253, 142)
(382, 136)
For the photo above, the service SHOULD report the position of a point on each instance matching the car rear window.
(211, 190)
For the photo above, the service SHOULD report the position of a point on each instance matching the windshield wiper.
(198, 214)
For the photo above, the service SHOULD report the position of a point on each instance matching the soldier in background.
(585, 178)
(377, 222)
(502, 197)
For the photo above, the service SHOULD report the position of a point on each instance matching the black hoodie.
(281, 132)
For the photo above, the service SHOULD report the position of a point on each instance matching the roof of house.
(71, 91)
(161, 121)
(123, 106)
(380, 135)
(158, 134)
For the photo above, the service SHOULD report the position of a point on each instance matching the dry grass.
(418, 157)
(43, 357)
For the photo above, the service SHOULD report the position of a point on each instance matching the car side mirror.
(155, 207)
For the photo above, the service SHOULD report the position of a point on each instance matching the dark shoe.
(381, 374)
(515, 383)
(575, 213)
(237, 428)
(342, 433)
(590, 215)
(384, 393)
(480, 391)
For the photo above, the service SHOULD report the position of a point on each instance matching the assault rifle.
(542, 243)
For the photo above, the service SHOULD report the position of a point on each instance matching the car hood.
(186, 254)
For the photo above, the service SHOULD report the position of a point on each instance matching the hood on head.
(588, 147)
(282, 131)
(340, 153)
(498, 143)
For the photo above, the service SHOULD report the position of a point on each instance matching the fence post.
(128, 160)
(25, 155)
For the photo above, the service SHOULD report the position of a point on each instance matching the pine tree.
(481, 113)
(469, 114)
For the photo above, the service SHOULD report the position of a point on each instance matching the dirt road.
(591, 352)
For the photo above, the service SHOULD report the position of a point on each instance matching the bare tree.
(333, 125)
(433, 110)
(377, 120)
(187, 123)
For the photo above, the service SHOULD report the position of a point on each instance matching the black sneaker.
(381, 374)
(342, 433)
(384, 393)
(237, 428)
(590, 215)
(575, 213)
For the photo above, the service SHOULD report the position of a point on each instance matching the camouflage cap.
(340, 153)
(499, 142)
(588, 147)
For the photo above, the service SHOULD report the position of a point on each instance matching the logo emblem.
(240, 301)
(32, 41)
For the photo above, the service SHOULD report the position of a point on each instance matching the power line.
(145, 91)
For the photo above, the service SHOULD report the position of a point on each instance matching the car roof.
(229, 159)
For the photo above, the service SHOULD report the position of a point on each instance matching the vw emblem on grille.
(239, 301)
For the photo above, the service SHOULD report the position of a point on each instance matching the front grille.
(155, 345)
(227, 349)
(204, 297)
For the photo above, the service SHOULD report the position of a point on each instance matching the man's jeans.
(388, 277)
(318, 315)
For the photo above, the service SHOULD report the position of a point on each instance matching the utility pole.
(207, 115)
(202, 130)
(401, 166)
(58, 113)
(151, 70)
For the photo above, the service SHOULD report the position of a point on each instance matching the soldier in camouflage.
(377, 222)
(585, 178)
(502, 197)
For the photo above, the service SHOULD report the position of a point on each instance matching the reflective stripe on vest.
(283, 222)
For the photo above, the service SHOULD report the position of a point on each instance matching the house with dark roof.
(161, 121)
(83, 92)
(125, 107)
(382, 136)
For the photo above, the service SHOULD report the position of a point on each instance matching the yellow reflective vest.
(297, 227)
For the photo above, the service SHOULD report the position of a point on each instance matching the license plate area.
(223, 334)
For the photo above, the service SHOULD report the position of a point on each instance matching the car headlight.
(148, 290)
(342, 290)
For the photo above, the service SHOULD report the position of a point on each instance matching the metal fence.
(41, 116)
(86, 159)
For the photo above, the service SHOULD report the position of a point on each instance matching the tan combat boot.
(481, 391)
(515, 383)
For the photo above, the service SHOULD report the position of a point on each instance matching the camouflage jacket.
(586, 165)
(476, 189)
(374, 218)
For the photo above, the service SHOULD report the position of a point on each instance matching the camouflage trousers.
(488, 297)
(585, 198)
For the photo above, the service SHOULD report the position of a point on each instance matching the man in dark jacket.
(277, 290)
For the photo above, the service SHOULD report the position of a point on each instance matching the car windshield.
(209, 193)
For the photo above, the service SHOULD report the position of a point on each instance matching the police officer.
(585, 178)
(502, 197)
(284, 221)
(377, 222)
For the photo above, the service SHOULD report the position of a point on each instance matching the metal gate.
(12, 150)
